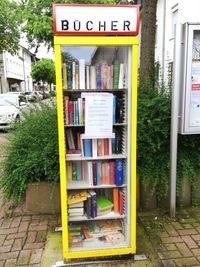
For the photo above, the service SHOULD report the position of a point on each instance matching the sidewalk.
(165, 242)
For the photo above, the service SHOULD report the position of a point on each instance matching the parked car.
(11, 106)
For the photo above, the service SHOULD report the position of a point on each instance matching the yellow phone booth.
(96, 48)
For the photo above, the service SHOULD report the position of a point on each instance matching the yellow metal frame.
(97, 41)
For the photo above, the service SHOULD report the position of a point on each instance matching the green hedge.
(32, 153)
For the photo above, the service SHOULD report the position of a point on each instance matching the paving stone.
(16, 222)
(196, 237)
(24, 257)
(187, 226)
(36, 256)
(172, 239)
(8, 231)
(10, 263)
(5, 249)
(177, 225)
(41, 236)
(17, 235)
(168, 263)
(187, 232)
(23, 226)
(169, 254)
(2, 239)
(8, 242)
(184, 249)
(196, 251)
(37, 227)
(34, 245)
(163, 234)
(186, 261)
(17, 244)
(26, 218)
(31, 237)
(6, 223)
(9, 255)
(170, 247)
(170, 230)
(189, 241)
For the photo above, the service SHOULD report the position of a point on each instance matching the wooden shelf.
(76, 185)
(82, 125)
(80, 158)
(94, 90)
(111, 215)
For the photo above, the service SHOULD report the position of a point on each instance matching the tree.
(44, 70)
(10, 18)
(38, 19)
(147, 55)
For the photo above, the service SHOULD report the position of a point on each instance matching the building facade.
(15, 71)
(169, 13)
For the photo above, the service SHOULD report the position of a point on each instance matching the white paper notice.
(98, 115)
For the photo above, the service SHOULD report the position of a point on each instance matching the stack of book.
(104, 205)
(75, 202)
(75, 235)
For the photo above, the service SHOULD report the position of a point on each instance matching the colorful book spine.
(73, 75)
(94, 172)
(69, 76)
(70, 110)
(116, 74)
(98, 76)
(78, 171)
(118, 172)
(82, 74)
(114, 108)
(112, 172)
(99, 173)
(121, 202)
(64, 69)
(77, 76)
(116, 199)
(87, 145)
(106, 146)
(66, 109)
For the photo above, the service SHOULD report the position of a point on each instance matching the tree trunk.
(148, 31)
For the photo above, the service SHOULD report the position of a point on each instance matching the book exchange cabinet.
(96, 85)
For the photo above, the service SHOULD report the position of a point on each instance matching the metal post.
(174, 116)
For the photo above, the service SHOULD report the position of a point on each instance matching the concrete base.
(43, 198)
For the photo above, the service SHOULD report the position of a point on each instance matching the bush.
(32, 153)
(153, 140)
(153, 146)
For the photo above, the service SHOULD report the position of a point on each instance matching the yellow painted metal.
(97, 41)
(61, 139)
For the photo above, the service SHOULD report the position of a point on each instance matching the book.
(94, 148)
(79, 171)
(73, 152)
(64, 69)
(70, 139)
(70, 112)
(99, 173)
(112, 172)
(76, 76)
(107, 226)
(118, 172)
(121, 76)
(103, 203)
(94, 172)
(92, 77)
(104, 176)
(121, 202)
(81, 74)
(106, 146)
(69, 171)
(87, 146)
(115, 74)
(76, 196)
(100, 150)
(76, 205)
(66, 110)
(87, 77)
(79, 211)
(73, 75)
(114, 108)
(93, 203)
(116, 199)
(114, 238)
(98, 76)
(90, 172)
(69, 75)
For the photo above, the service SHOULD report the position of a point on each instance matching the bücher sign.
(80, 19)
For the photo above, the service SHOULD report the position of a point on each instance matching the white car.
(10, 109)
